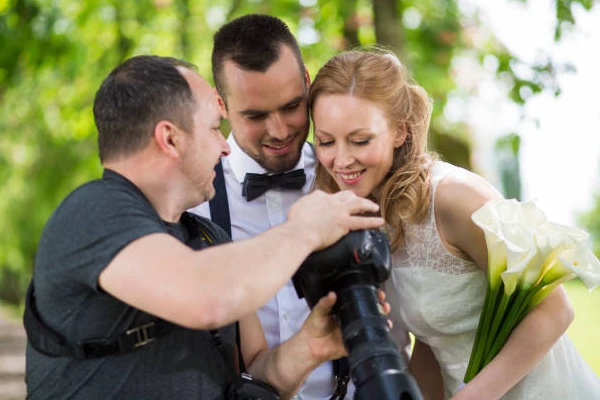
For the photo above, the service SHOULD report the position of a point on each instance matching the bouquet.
(528, 256)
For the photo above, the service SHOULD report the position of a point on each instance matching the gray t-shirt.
(80, 239)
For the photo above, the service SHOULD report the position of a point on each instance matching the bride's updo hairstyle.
(379, 77)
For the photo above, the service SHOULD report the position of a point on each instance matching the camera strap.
(216, 338)
(341, 377)
(49, 342)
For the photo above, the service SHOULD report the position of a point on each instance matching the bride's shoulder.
(458, 195)
(458, 188)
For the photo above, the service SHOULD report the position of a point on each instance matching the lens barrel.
(377, 367)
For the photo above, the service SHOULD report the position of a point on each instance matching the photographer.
(122, 305)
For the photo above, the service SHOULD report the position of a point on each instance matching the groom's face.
(267, 111)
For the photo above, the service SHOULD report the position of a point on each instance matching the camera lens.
(352, 268)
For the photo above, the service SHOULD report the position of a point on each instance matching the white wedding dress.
(438, 297)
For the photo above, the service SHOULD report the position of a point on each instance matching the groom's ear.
(306, 77)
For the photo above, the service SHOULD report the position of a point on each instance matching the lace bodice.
(423, 247)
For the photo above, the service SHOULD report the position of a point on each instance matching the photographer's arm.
(160, 275)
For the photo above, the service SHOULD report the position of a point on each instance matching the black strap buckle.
(144, 334)
(93, 348)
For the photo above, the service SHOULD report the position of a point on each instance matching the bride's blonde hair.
(378, 76)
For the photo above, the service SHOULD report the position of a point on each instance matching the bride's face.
(354, 141)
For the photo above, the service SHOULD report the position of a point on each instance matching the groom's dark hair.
(253, 42)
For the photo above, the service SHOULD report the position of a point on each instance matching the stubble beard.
(202, 188)
(277, 165)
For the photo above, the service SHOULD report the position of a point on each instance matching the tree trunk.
(235, 5)
(388, 27)
(124, 43)
(183, 8)
(351, 24)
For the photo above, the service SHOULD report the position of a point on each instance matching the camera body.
(353, 268)
(360, 257)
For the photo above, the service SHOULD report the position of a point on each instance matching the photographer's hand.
(287, 366)
(320, 339)
(325, 218)
(322, 333)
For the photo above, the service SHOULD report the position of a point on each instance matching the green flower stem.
(483, 328)
(501, 313)
(475, 358)
(520, 308)
(546, 288)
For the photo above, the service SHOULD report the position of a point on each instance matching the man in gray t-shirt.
(67, 280)
(113, 257)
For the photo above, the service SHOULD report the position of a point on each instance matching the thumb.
(325, 304)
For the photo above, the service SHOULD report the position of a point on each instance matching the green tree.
(591, 221)
(55, 53)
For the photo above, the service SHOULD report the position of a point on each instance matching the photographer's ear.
(166, 138)
(222, 105)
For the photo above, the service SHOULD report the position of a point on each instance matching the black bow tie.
(256, 184)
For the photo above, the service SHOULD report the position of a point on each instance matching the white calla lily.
(488, 219)
(522, 256)
(550, 236)
(582, 262)
(497, 254)
(528, 256)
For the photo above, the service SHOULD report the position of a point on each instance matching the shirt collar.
(241, 163)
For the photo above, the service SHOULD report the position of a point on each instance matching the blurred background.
(513, 84)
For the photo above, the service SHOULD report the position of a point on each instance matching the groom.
(263, 85)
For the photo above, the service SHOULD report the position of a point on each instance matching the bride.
(370, 128)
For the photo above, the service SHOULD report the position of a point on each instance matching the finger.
(386, 308)
(345, 195)
(356, 223)
(381, 295)
(359, 205)
(390, 323)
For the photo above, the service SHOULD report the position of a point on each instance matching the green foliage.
(584, 328)
(55, 54)
(591, 221)
(507, 152)
(564, 14)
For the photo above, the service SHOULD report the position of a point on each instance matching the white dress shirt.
(284, 314)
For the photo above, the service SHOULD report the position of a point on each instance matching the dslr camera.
(353, 268)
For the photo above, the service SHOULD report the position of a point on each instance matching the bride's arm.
(456, 199)
(526, 346)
